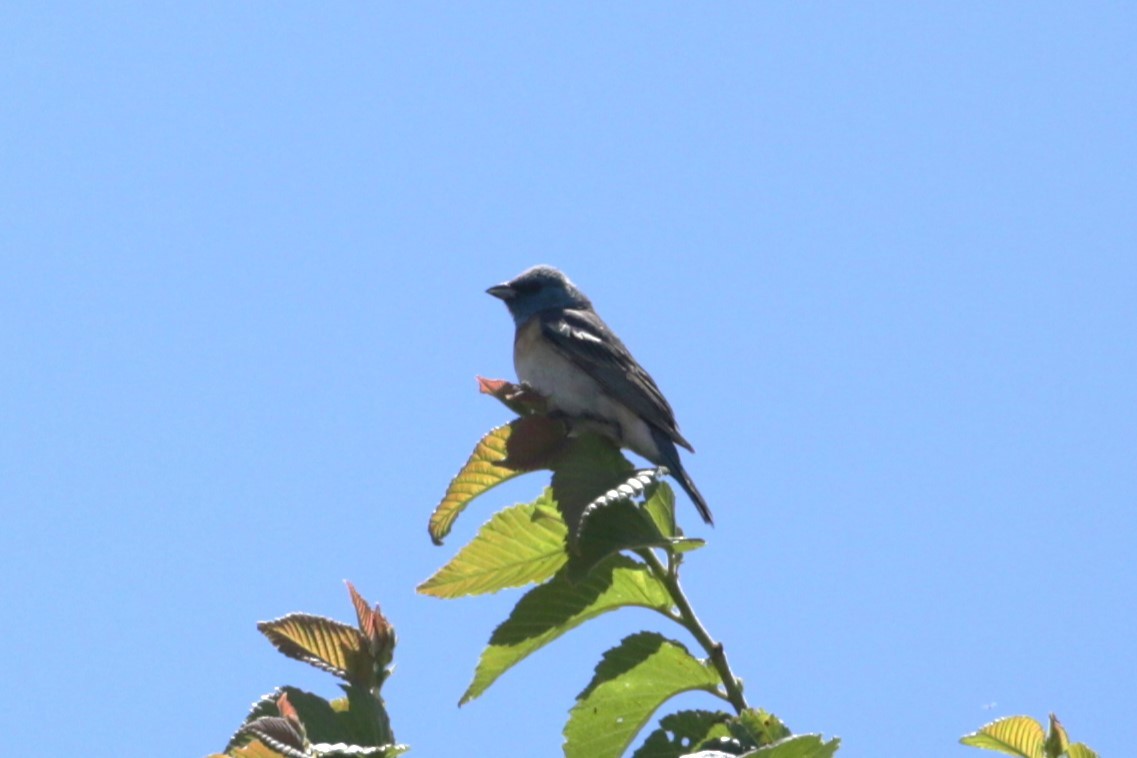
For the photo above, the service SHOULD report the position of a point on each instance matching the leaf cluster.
(601, 537)
(296, 724)
(1024, 737)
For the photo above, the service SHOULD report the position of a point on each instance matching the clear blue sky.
(882, 259)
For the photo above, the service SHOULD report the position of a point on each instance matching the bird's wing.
(583, 338)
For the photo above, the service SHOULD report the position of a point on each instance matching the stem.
(669, 575)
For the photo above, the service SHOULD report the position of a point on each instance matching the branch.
(670, 579)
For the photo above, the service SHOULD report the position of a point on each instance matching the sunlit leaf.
(1014, 735)
(1079, 750)
(324, 643)
(480, 473)
(524, 444)
(631, 681)
(517, 546)
(548, 611)
(682, 733)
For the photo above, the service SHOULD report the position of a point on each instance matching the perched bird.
(565, 352)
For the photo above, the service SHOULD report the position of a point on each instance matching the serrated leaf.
(478, 475)
(324, 643)
(517, 546)
(799, 746)
(548, 611)
(340, 750)
(620, 526)
(1079, 750)
(1014, 735)
(683, 732)
(629, 487)
(312, 710)
(352, 719)
(279, 734)
(482, 472)
(631, 681)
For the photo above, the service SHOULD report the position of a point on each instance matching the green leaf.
(684, 732)
(757, 728)
(361, 719)
(478, 475)
(524, 444)
(353, 720)
(622, 525)
(1014, 735)
(799, 746)
(660, 508)
(548, 611)
(631, 681)
(588, 467)
(1079, 750)
(517, 546)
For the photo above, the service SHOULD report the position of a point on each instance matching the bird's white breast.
(570, 390)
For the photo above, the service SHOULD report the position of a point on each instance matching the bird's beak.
(501, 291)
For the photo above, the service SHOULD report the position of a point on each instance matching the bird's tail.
(669, 456)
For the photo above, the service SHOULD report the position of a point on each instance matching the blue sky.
(880, 257)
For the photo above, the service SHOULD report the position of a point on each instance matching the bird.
(565, 352)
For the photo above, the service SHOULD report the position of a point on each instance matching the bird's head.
(538, 289)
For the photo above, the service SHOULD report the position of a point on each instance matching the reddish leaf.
(375, 628)
(286, 709)
(324, 643)
(517, 397)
